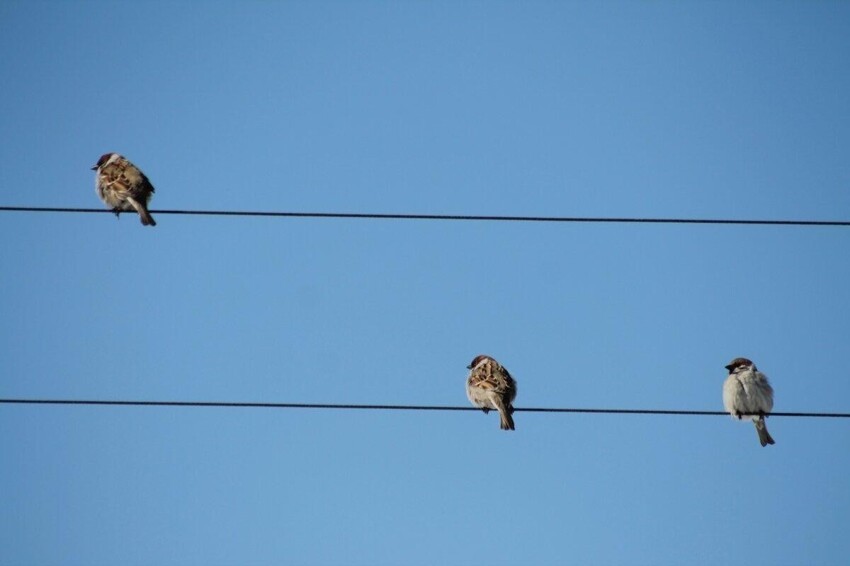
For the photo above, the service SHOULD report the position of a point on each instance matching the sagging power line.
(379, 407)
(452, 217)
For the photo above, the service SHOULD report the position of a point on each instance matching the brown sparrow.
(747, 392)
(123, 186)
(490, 386)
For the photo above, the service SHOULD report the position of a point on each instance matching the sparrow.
(490, 386)
(123, 186)
(747, 392)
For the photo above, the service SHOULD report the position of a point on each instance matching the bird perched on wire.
(123, 186)
(490, 386)
(747, 392)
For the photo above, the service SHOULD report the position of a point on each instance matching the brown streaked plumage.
(123, 187)
(491, 386)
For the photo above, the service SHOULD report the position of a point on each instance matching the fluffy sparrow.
(490, 386)
(747, 392)
(123, 186)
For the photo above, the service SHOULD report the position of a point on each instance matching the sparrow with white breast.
(123, 186)
(747, 392)
(490, 386)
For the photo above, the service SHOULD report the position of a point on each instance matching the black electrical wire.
(456, 217)
(377, 407)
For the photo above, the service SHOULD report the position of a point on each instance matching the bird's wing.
(135, 178)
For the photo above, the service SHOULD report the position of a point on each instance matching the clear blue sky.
(710, 110)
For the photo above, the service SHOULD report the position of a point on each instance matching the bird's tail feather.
(764, 436)
(144, 215)
(506, 420)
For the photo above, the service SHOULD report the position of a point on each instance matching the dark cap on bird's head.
(103, 159)
(478, 359)
(739, 362)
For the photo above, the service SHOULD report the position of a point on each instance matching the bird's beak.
(94, 168)
(469, 366)
(729, 367)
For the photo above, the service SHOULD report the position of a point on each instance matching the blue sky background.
(710, 110)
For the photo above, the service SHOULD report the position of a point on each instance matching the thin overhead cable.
(462, 217)
(348, 406)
